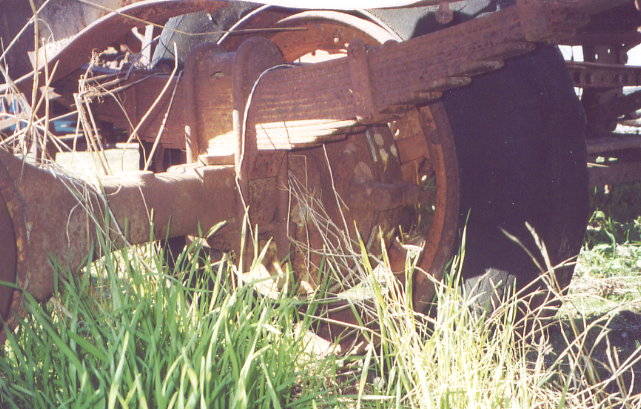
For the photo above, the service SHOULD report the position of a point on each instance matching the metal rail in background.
(608, 93)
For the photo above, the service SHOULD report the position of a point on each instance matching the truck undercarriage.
(402, 125)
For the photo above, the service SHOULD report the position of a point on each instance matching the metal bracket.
(360, 78)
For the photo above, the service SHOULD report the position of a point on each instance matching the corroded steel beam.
(539, 21)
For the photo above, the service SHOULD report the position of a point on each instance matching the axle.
(45, 214)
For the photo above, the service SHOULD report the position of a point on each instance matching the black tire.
(520, 141)
(527, 166)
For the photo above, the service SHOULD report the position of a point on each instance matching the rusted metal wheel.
(369, 181)
(520, 148)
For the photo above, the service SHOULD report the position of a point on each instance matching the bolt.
(444, 15)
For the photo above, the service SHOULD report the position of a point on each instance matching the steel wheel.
(416, 149)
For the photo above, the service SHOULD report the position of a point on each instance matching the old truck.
(315, 123)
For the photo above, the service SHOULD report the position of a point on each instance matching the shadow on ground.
(613, 343)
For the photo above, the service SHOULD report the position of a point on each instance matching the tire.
(527, 165)
(520, 141)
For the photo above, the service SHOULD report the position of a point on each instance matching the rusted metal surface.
(57, 216)
(540, 20)
(261, 176)
(436, 129)
(585, 74)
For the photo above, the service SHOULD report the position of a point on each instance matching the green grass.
(609, 268)
(129, 333)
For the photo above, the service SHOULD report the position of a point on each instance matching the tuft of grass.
(127, 334)
(512, 357)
